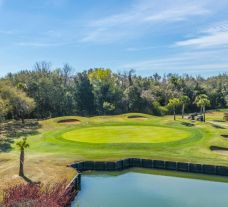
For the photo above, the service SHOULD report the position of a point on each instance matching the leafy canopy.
(173, 102)
(202, 100)
(22, 144)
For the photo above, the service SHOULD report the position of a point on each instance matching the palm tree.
(22, 144)
(202, 101)
(173, 103)
(184, 100)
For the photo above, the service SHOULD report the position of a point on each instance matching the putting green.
(126, 134)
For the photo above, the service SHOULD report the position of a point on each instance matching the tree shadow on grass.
(219, 121)
(5, 145)
(28, 180)
(187, 124)
(11, 130)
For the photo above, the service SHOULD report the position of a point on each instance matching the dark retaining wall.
(147, 163)
(73, 188)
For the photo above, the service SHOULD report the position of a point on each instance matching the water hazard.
(151, 188)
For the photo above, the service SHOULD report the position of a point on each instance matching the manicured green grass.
(115, 137)
(126, 134)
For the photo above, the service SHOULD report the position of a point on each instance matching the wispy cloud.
(199, 62)
(150, 13)
(46, 44)
(35, 44)
(137, 49)
(216, 35)
(139, 18)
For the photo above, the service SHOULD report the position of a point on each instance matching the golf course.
(60, 141)
(129, 135)
(113, 103)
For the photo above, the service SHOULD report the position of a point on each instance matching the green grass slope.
(114, 137)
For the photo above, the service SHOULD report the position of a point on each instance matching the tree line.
(44, 92)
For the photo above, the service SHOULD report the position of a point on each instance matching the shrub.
(108, 107)
(158, 109)
(33, 195)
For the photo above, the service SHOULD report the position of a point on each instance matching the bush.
(108, 107)
(158, 109)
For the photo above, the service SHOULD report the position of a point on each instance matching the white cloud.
(216, 35)
(46, 44)
(138, 18)
(136, 49)
(150, 13)
(34, 44)
(177, 14)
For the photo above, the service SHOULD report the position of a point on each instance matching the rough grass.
(113, 137)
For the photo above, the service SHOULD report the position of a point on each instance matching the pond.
(146, 188)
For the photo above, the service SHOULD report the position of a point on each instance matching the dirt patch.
(136, 117)
(69, 121)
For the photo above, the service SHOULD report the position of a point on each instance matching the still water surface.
(140, 188)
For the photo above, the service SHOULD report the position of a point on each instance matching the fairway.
(126, 134)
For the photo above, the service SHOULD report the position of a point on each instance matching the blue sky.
(163, 36)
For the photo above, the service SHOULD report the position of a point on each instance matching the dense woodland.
(44, 92)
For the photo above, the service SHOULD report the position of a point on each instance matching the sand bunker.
(69, 121)
(216, 148)
(218, 126)
(219, 150)
(136, 117)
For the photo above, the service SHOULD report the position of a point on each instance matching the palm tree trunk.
(183, 111)
(22, 158)
(204, 116)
